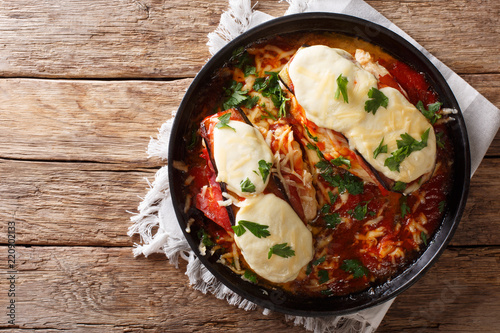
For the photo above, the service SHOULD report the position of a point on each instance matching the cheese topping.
(314, 71)
(285, 226)
(237, 154)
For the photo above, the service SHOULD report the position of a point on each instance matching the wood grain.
(107, 121)
(105, 289)
(87, 203)
(148, 38)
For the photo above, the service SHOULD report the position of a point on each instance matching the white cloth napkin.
(482, 120)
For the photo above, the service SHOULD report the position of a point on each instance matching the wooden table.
(85, 84)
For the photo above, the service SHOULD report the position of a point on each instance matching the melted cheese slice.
(237, 154)
(313, 72)
(285, 226)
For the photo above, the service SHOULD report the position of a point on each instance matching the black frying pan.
(278, 300)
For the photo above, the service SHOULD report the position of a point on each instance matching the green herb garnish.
(432, 112)
(250, 276)
(405, 209)
(258, 230)
(314, 138)
(332, 220)
(251, 101)
(424, 238)
(264, 169)
(205, 238)
(234, 95)
(319, 260)
(323, 276)
(380, 149)
(282, 250)
(341, 160)
(360, 211)
(441, 206)
(318, 152)
(406, 146)
(377, 100)
(355, 267)
(399, 186)
(224, 121)
(342, 88)
(269, 87)
(247, 186)
(439, 139)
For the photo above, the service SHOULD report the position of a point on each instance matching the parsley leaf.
(224, 121)
(325, 209)
(406, 146)
(380, 149)
(205, 238)
(377, 100)
(405, 209)
(341, 160)
(259, 230)
(314, 138)
(238, 230)
(360, 211)
(399, 186)
(332, 220)
(251, 101)
(247, 186)
(269, 87)
(332, 197)
(439, 139)
(319, 260)
(282, 250)
(250, 276)
(323, 276)
(355, 267)
(249, 70)
(234, 95)
(423, 236)
(264, 169)
(432, 113)
(441, 206)
(320, 154)
(342, 88)
(309, 268)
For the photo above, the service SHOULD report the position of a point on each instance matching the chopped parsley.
(399, 186)
(325, 209)
(439, 139)
(432, 112)
(423, 236)
(234, 95)
(205, 238)
(441, 206)
(249, 70)
(314, 138)
(224, 121)
(323, 276)
(332, 220)
(406, 146)
(193, 139)
(319, 260)
(360, 211)
(342, 88)
(320, 154)
(282, 250)
(264, 169)
(247, 186)
(333, 197)
(259, 230)
(405, 209)
(250, 276)
(244, 61)
(251, 101)
(377, 100)
(355, 267)
(269, 87)
(380, 149)
(341, 160)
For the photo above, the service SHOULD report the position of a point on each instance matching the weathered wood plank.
(99, 121)
(148, 38)
(459, 294)
(82, 288)
(86, 203)
(107, 121)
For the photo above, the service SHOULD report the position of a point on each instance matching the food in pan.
(318, 164)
